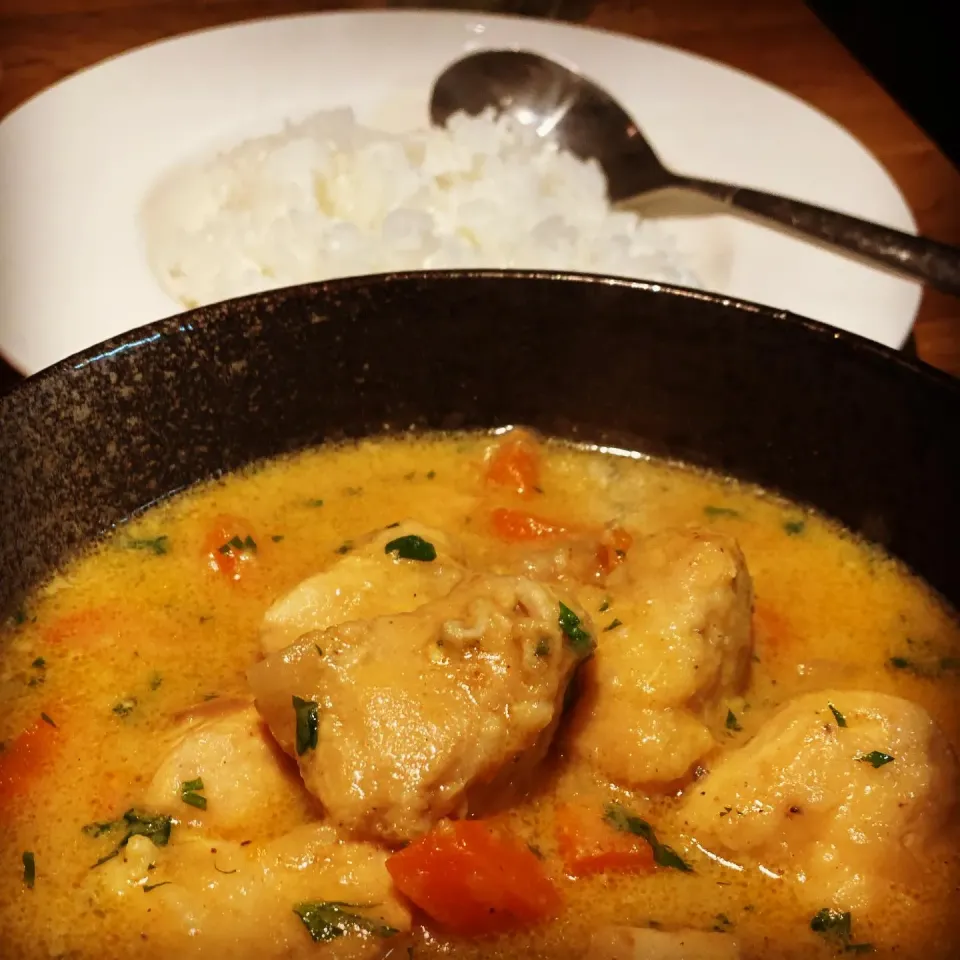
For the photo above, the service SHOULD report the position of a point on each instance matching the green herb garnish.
(98, 829)
(29, 869)
(837, 927)
(542, 648)
(147, 887)
(39, 663)
(712, 511)
(237, 544)
(125, 707)
(190, 793)
(156, 681)
(624, 821)
(412, 547)
(580, 640)
(732, 723)
(158, 546)
(308, 724)
(605, 606)
(327, 921)
(794, 527)
(876, 759)
(46, 719)
(612, 625)
(154, 826)
(345, 547)
(315, 503)
(277, 537)
(837, 715)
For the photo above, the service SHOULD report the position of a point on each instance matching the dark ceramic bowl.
(826, 418)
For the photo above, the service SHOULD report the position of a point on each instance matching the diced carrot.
(515, 464)
(613, 548)
(22, 761)
(474, 880)
(230, 547)
(589, 845)
(81, 627)
(515, 526)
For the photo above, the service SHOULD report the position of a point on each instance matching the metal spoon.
(585, 119)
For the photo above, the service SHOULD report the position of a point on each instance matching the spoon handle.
(936, 263)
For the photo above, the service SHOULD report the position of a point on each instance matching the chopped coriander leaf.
(191, 786)
(197, 800)
(622, 820)
(542, 648)
(605, 606)
(329, 920)
(308, 724)
(47, 719)
(794, 527)
(19, 617)
(345, 547)
(39, 663)
(99, 829)
(580, 640)
(155, 827)
(238, 544)
(125, 707)
(147, 887)
(158, 546)
(837, 715)
(832, 923)
(732, 722)
(315, 503)
(836, 926)
(155, 681)
(712, 511)
(277, 537)
(876, 759)
(319, 649)
(29, 869)
(535, 850)
(431, 474)
(612, 625)
(412, 547)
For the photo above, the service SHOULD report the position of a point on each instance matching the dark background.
(912, 50)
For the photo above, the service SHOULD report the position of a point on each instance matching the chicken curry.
(479, 696)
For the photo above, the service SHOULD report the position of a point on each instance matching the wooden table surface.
(781, 41)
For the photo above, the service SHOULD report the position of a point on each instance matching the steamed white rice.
(331, 198)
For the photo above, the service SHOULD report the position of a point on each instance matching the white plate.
(77, 161)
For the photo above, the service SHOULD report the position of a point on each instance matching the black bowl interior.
(825, 418)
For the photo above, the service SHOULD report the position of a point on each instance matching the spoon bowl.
(583, 118)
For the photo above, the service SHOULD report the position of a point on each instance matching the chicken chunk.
(197, 898)
(679, 642)
(642, 943)
(367, 582)
(835, 791)
(412, 713)
(245, 779)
